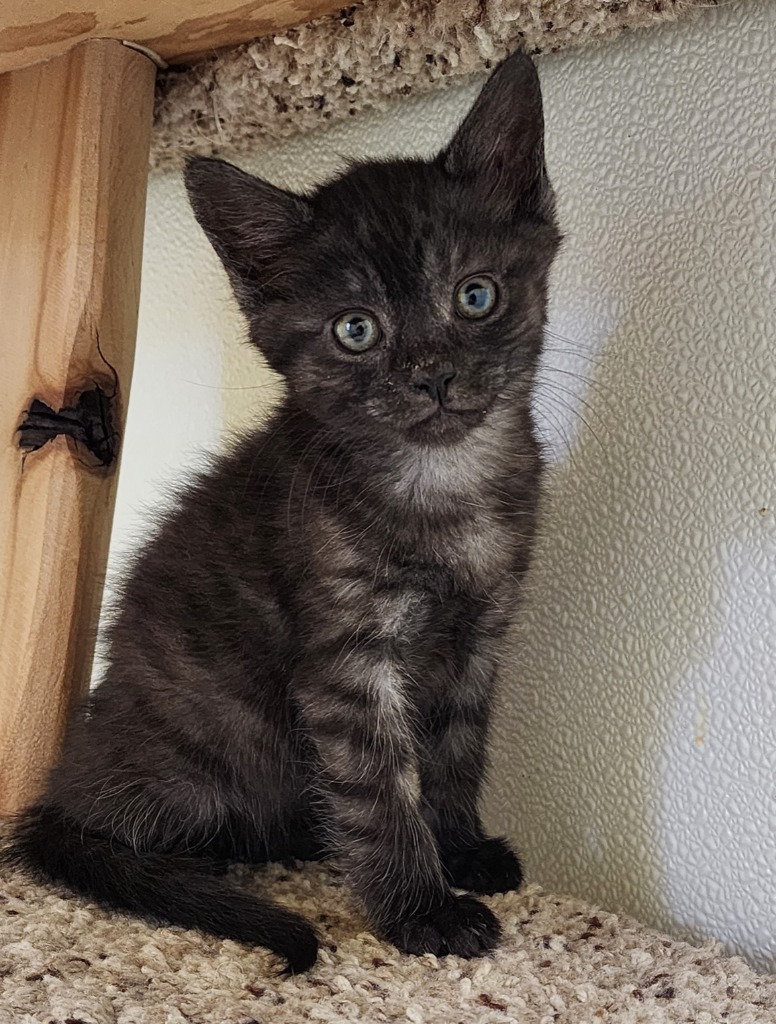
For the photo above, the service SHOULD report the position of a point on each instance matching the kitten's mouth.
(445, 425)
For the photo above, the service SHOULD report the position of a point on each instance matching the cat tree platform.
(64, 961)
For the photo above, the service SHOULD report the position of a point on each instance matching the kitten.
(304, 656)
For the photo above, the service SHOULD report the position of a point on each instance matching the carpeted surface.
(364, 55)
(63, 961)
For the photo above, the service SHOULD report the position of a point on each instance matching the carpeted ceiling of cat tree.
(364, 56)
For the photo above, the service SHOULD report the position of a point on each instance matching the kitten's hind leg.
(297, 837)
(305, 841)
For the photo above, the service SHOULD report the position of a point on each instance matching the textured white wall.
(635, 760)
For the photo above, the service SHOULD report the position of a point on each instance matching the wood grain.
(74, 140)
(178, 30)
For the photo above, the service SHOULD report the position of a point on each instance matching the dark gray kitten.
(304, 656)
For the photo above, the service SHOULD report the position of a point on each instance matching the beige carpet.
(363, 56)
(63, 961)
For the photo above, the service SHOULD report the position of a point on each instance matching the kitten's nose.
(434, 382)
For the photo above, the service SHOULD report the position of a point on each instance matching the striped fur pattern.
(304, 656)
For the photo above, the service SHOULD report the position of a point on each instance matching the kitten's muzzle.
(445, 425)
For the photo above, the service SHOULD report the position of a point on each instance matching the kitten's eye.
(357, 331)
(476, 297)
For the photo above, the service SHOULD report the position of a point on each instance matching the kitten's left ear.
(500, 145)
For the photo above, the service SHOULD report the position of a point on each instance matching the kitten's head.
(403, 301)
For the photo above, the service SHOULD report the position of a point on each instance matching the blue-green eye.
(476, 297)
(357, 331)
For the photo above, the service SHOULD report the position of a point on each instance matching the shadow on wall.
(618, 607)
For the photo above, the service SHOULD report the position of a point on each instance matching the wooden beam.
(74, 142)
(178, 30)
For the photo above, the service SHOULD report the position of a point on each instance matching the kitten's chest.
(477, 549)
(452, 516)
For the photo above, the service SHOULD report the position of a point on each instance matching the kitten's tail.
(50, 845)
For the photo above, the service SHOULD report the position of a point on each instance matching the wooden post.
(74, 143)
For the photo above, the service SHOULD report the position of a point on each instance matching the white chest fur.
(452, 490)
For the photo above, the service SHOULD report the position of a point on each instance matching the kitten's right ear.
(248, 222)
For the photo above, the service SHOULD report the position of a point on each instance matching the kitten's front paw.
(488, 867)
(463, 926)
